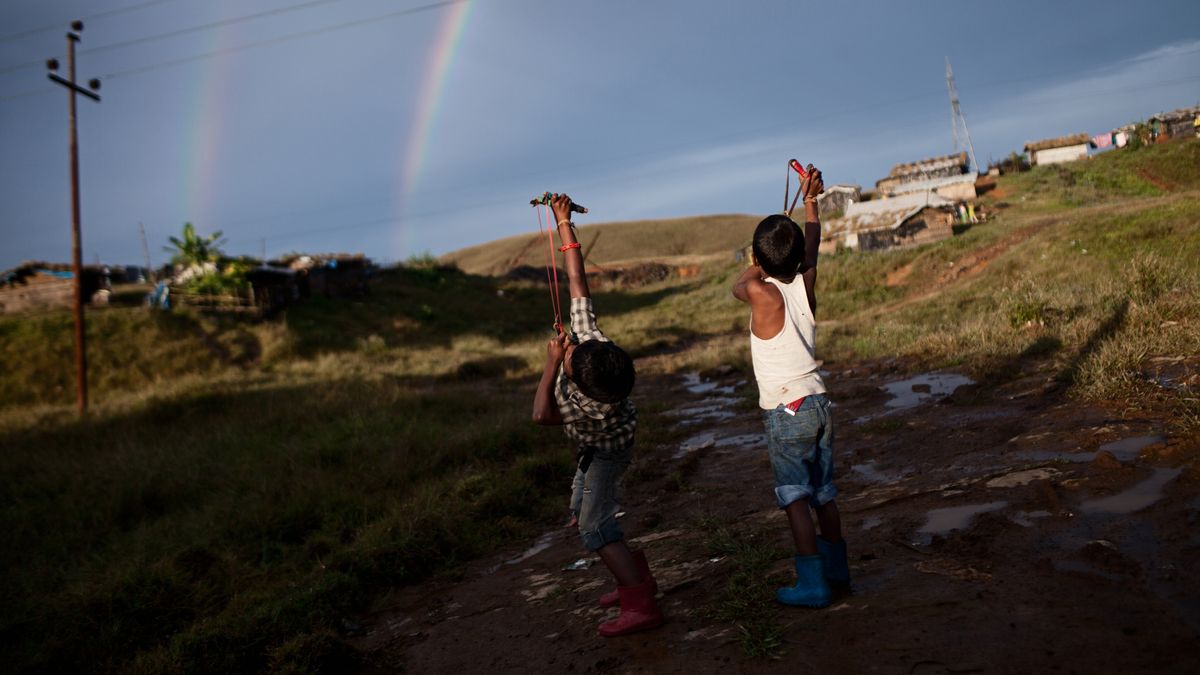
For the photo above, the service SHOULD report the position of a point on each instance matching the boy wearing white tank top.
(780, 287)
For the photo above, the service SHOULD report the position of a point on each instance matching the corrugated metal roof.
(1177, 114)
(930, 164)
(932, 183)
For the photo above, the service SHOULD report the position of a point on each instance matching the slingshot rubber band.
(551, 277)
(793, 165)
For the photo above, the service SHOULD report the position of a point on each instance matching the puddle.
(697, 442)
(943, 521)
(870, 473)
(709, 439)
(1018, 478)
(693, 383)
(1026, 518)
(744, 441)
(1127, 449)
(871, 522)
(904, 394)
(1135, 498)
(543, 542)
(711, 408)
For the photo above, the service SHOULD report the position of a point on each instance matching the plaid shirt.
(607, 427)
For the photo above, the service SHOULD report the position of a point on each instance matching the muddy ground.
(991, 529)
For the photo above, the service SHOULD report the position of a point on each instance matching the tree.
(193, 249)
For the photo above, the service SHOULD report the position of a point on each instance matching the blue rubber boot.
(811, 589)
(837, 566)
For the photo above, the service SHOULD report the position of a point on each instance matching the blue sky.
(292, 130)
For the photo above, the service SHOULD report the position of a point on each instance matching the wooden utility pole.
(81, 392)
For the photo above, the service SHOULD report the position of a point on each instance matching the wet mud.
(990, 529)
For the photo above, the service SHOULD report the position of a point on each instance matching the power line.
(284, 38)
(183, 31)
(262, 43)
(97, 15)
(389, 15)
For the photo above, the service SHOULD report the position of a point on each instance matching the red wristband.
(566, 247)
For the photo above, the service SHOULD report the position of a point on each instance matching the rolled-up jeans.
(596, 495)
(801, 450)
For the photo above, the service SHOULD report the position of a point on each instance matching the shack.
(1058, 150)
(42, 285)
(273, 288)
(897, 222)
(333, 275)
(1180, 123)
(948, 176)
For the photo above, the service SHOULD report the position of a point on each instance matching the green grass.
(747, 599)
(206, 532)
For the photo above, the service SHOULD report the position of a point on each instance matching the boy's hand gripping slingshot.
(794, 165)
(544, 199)
(551, 266)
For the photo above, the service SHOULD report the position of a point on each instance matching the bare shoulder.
(763, 294)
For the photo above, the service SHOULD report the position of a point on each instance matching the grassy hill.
(239, 489)
(616, 242)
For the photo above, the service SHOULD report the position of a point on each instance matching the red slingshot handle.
(795, 164)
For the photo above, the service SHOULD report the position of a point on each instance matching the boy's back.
(785, 363)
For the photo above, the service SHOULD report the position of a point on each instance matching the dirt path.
(1075, 560)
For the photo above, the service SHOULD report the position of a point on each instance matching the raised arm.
(545, 406)
(561, 205)
(812, 234)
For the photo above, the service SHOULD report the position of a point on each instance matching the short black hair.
(779, 246)
(603, 371)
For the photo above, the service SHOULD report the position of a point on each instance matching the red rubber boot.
(639, 611)
(613, 597)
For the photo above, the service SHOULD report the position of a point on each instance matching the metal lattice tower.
(962, 139)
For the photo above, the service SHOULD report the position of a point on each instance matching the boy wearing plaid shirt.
(585, 388)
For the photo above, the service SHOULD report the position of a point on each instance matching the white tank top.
(785, 365)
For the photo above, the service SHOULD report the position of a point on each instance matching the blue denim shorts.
(801, 451)
(596, 497)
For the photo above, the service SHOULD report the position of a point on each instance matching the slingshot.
(793, 165)
(551, 266)
(544, 199)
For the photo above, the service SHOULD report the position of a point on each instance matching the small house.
(908, 220)
(948, 176)
(1058, 150)
(41, 285)
(1181, 123)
